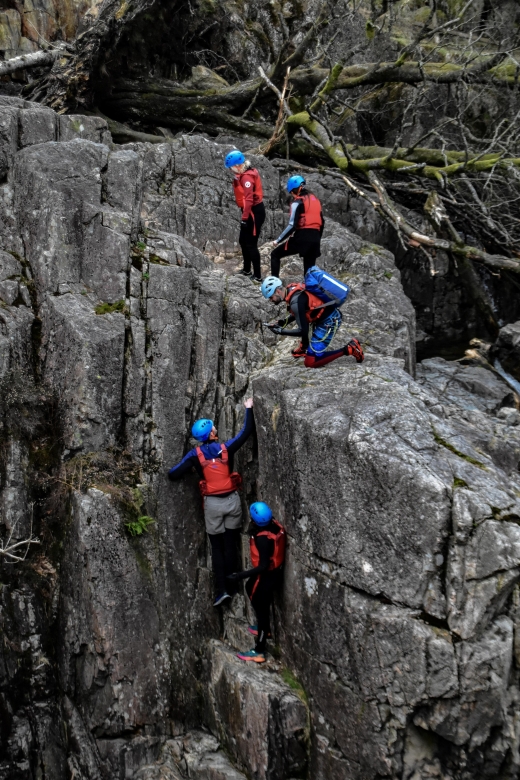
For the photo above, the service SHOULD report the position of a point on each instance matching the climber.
(311, 311)
(213, 462)
(247, 186)
(267, 546)
(302, 236)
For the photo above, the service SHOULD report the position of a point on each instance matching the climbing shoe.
(221, 597)
(299, 352)
(245, 273)
(254, 630)
(355, 349)
(252, 655)
(256, 279)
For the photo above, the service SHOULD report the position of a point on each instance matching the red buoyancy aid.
(249, 180)
(217, 477)
(316, 306)
(311, 217)
(279, 540)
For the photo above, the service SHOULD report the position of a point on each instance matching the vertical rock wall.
(400, 495)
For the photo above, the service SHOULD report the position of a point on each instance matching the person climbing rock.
(302, 236)
(247, 186)
(318, 314)
(267, 546)
(213, 462)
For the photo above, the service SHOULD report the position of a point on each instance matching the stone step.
(260, 721)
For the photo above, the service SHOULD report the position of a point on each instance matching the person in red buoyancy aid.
(267, 546)
(249, 196)
(302, 236)
(213, 461)
(317, 323)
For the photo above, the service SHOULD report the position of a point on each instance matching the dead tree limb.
(34, 60)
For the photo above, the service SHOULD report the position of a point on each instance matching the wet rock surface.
(121, 322)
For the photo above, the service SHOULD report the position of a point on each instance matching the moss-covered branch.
(427, 163)
(351, 76)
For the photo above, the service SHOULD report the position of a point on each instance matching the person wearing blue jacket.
(213, 462)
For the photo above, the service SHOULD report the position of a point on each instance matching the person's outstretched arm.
(187, 463)
(264, 546)
(247, 429)
(296, 209)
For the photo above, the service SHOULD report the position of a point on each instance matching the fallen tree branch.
(34, 60)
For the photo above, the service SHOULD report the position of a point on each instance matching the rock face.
(507, 349)
(27, 23)
(399, 487)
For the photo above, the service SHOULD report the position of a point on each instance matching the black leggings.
(224, 555)
(249, 235)
(261, 603)
(305, 242)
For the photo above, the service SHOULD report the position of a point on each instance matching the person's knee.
(309, 361)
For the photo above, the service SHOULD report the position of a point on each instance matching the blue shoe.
(221, 597)
(252, 655)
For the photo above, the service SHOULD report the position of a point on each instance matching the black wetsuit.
(248, 240)
(268, 582)
(305, 242)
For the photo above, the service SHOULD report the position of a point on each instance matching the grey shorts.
(221, 512)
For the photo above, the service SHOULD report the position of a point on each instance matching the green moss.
(289, 678)
(455, 451)
(146, 276)
(388, 274)
(109, 308)
(459, 483)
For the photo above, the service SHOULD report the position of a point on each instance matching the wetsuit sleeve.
(303, 326)
(187, 463)
(247, 429)
(248, 184)
(296, 209)
(265, 547)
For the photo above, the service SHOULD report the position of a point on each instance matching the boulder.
(259, 719)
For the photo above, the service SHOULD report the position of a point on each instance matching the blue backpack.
(325, 286)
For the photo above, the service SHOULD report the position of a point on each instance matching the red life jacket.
(279, 540)
(217, 477)
(311, 217)
(316, 307)
(278, 556)
(238, 187)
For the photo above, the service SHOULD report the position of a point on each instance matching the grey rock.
(507, 349)
(258, 718)
(468, 387)
(83, 362)
(401, 498)
(90, 128)
(111, 648)
(37, 126)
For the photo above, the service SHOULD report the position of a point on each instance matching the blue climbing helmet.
(260, 513)
(234, 158)
(295, 182)
(269, 285)
(201, 429)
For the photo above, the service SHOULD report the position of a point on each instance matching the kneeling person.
(267, 546)
(310, 314)
(213, 462)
